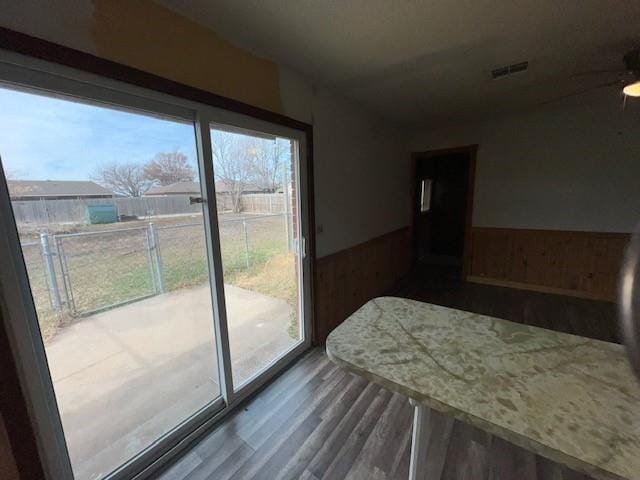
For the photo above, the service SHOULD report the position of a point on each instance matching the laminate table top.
(571, 399)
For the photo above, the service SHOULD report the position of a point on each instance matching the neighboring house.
(178, 188)
(56, 190)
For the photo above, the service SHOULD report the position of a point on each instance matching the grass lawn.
(277, 278)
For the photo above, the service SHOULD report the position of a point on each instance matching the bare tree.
(122, 178)
(270, 157)
(169, 167)
(233, 157)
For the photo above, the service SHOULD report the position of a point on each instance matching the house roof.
(175, 188)
(55, 188)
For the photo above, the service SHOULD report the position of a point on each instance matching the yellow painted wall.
(145, 35)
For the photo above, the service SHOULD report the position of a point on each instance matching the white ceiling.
(429, 61)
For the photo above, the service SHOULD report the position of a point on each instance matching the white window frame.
(22, 72)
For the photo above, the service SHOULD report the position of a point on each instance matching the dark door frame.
(472, 151)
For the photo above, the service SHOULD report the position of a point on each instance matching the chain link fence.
(103, 269)
(182, 256)
(82, 273)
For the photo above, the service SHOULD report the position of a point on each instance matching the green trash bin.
(101, 214)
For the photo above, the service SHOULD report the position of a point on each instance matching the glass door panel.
(255, 182)
(116, 257)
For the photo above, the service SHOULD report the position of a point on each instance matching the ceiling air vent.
(509, 70)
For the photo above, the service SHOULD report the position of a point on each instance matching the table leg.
(419, 442)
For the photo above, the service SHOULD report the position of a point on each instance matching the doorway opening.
(443, 182)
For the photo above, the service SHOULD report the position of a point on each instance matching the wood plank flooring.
(579, 316)
(317, 421)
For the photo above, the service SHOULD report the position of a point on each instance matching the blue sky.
(43, 138)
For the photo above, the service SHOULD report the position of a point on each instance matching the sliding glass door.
(256, 176)
(162, 247)
(119, 279)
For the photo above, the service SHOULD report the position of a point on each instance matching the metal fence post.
(246, 241)
(150, 261)
(288, 219)
(70, 302)
(50, 272)
(156, 261)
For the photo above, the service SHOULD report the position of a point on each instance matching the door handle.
(629, 301)
(193, 200)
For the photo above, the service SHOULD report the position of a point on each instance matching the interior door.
(442, 185)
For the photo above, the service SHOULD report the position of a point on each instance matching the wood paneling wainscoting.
(583, 264)
(346, 280)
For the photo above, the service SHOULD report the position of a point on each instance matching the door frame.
(99, 79)
(471, 151)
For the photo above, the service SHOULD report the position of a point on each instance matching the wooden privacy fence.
(73, 211)
(262, 203)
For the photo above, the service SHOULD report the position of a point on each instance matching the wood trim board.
(530, 287)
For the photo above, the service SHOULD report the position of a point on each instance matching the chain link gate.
(88, 272)
(101, 270)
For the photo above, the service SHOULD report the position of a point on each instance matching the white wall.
(573, 165)
(361, 167)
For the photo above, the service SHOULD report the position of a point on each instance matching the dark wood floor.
(319, 422)
(588, 318)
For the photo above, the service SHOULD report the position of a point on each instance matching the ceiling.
(429, 61)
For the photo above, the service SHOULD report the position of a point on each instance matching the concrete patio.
(126, 376)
